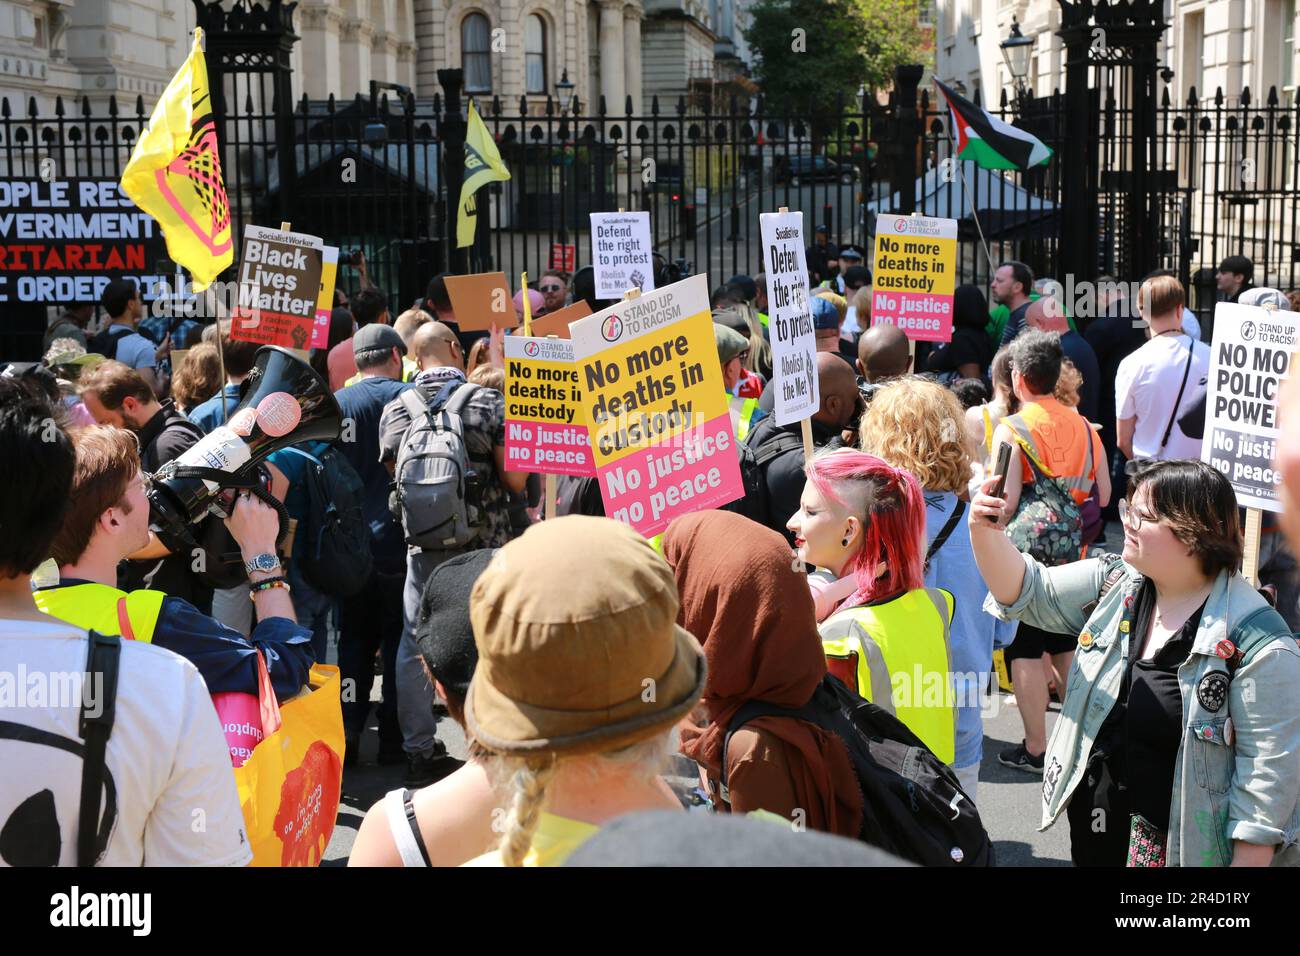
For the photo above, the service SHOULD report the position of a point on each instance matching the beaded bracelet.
(276, 582)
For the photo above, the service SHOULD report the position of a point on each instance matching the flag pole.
(970, 202)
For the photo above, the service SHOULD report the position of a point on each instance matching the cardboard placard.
(279, 285)
(794, 343)
(661, 432)
(1250, 357)
(320, 336)
(557, 323)
(915, 275)
(621, 253)
(481, 301)
(545, 430)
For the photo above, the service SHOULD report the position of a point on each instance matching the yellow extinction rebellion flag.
(482, 165)
(175, 174)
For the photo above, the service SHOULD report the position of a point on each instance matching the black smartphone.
(1004, 462)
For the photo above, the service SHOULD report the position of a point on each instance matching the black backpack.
(105, 343)
(913, 805)
(335, 555)
(754, 459)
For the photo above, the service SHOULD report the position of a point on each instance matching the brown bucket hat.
(578, 643)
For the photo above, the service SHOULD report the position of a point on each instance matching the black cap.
(745, 285)
(857, 276)
(822, 227)
(442, 628)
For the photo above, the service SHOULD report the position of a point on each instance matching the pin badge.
(1229, 732)
(1123, 627)
(1225, 649)
(1085, 639)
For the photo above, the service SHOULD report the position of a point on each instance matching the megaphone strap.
(225, 479)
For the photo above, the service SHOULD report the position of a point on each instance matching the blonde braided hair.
(528, 787)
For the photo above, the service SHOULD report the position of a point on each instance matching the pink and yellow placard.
(656, 408)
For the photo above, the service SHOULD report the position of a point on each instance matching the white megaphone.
(282, 402)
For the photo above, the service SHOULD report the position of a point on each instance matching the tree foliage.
(810, 52)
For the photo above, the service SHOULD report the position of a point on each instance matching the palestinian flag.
(987, 141)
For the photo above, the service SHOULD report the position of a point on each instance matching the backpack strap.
(460, 398)
(752, 710)
(1173, 415)
(942, 537)
(769, 451)
(102, 659)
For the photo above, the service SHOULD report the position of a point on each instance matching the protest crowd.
(702, 574)
(888, 568)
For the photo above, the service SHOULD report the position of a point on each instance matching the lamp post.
(1016, 50)
(564, 91)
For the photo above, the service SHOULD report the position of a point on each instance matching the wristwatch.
(266, 561)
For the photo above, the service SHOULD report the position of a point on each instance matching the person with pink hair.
(863, 521)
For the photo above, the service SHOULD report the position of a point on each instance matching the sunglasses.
(550, 288)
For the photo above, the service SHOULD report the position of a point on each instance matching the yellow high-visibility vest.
(898, 655)
(94, 607)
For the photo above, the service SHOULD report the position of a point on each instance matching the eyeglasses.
(551, 288)
(1126, 513)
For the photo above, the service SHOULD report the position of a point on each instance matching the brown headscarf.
(753, 613)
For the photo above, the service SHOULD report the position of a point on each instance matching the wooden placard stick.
(1250, 556)
(301, 353)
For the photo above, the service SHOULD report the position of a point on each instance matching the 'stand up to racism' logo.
(531, 349)
(611, 329)
(900, 225)
(1248, 330)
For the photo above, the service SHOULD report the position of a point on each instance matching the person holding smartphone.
(1178, 742)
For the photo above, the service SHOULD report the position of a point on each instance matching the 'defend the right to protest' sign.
(915, 275)
(620, 253)
(656, 407)
(794, 343)
(545, 430)
(64, 241)
(279, 285)
(1250, 358)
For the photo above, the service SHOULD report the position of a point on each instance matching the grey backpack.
(436, 484)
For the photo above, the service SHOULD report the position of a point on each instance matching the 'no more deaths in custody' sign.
(620, 253)
(916, 258)
(1250, 358)
(656, 407)
(545, 430)
(794, 343)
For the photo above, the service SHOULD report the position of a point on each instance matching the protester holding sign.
(1181, 730)
(915, 274)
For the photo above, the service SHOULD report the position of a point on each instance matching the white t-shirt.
(1146, 386)
(176, 802)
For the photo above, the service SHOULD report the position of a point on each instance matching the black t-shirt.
(1143, 731)
(967, 346)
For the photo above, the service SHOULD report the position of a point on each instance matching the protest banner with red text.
(656, 408)
(545, 431)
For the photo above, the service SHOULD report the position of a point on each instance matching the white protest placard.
(794, 343)
(1250, 358)
(620, 253)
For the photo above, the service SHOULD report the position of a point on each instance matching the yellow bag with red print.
(289, 786)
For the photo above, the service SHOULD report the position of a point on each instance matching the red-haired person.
(861, 518)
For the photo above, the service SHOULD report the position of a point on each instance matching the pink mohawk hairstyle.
(893, 520)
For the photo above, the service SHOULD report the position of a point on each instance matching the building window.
(925, 13)
(1193, 51)
(535, 54)
(1287, 53)
(476, 53)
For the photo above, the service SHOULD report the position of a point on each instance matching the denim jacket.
(1242, 787)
